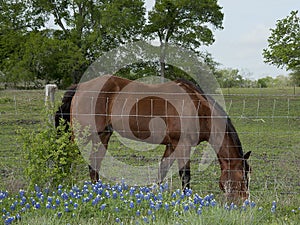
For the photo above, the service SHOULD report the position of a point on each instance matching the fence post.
(50, 98)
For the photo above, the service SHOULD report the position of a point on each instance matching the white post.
(49, 93)
(49, 97)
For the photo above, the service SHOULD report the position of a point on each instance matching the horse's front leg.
(183, 158)
(99, 148)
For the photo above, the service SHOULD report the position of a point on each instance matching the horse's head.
(234, 180)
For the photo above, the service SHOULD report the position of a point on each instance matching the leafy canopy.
(184, 22)
(284, 43)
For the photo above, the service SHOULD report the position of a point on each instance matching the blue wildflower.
(213, 203)
(9, 220)
(67, 209)
(59, 214)
(138, 213)
(199, 211)
(102, 207)
(131, 204)
(37, 205)
(145, 219)
(167, 206)
(273, 209)
(48, 205)
(186, 207)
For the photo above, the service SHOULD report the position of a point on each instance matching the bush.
(52, 158)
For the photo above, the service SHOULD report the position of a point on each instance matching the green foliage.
(83, 31)
(183, 23)
(284, 43)
(52, 158)
(295, 77)
(228, 78)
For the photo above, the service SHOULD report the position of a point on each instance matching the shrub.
(52, 158)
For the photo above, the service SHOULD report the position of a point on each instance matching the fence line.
(267, 124)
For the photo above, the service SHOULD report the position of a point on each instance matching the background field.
(267, 121)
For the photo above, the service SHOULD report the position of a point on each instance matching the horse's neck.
(223, 137)
(229, 153)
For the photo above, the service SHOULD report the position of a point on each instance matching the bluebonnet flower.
(199, 211)
(213, 203)
(13, 207)
(37, 188)
(27, 205)
(115, 195)
(67, 209)
(273, 209)
(246, 202)
(59, 214)
(131, 204)
(9, 220)
(37, 205)
(21, 193)
(48, 205)
(75, 205)
(18, 216)
(167, 206)
(138, 213)
(145, 219)
(186, 207)
(107, 194)
(49, 199)
(102, 207)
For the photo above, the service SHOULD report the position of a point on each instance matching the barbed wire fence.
(268, 125)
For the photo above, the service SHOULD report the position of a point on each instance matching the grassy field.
(267, 121)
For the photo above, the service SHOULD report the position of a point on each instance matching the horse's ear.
(247, 155)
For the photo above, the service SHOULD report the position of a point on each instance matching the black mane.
(230, 129)
(63, 111)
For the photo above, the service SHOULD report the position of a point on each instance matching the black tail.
(64, 110)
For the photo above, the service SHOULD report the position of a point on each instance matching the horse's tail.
(64, 110)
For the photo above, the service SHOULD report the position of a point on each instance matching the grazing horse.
(177, 114)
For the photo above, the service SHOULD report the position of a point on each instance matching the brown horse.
(176, 114)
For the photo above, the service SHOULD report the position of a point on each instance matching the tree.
(228, 78)
(86, 28)
(284, 43)
(94, 26)
(183, 23)
(295, 77)
(50, 59)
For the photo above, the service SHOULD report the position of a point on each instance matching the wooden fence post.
(50, 98)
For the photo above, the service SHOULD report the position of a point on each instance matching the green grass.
(267, 121)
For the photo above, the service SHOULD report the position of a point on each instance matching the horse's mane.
(230, 129)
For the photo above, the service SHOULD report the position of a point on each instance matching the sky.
(246, 30)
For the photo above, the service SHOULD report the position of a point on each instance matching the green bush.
(52, 158)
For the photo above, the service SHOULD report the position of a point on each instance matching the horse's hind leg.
(166, 162)
(98, 153)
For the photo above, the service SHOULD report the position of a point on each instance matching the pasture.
(267, 121)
